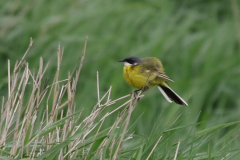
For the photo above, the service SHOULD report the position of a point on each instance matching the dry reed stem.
(94, 138)
(20, 119)
(21, 61)
(98, 90)
(175, 156)
(9, 106)
(130, 109)
(154, 147)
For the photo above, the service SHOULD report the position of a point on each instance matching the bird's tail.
(170, 95)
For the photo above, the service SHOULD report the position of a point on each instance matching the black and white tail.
(170, 95)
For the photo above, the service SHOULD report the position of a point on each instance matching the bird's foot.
(137, 95)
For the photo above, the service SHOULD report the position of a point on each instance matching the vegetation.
(47, 113)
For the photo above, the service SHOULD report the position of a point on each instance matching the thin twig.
(98, 89)
(30, 45)
(175, 157)
(130, 109)
(9, 80)
(154, 147)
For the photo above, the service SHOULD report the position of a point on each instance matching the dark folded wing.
(162, 75)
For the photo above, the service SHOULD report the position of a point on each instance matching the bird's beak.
(121, 60)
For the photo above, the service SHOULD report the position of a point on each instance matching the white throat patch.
(127, 64)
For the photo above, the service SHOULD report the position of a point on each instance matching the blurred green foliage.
(197, 41)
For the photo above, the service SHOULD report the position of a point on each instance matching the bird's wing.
(162, 75)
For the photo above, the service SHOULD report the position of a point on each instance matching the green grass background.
(198, 42)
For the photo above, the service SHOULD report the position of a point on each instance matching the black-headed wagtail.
(149, 72)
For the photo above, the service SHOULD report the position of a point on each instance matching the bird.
(144, 73)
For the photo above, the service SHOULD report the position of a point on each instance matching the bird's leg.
(144, 88)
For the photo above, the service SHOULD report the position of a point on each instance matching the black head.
(131, 60)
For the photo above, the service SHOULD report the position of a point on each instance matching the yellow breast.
(136, 78)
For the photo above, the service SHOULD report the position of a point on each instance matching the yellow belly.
(138, 79)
